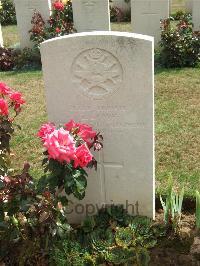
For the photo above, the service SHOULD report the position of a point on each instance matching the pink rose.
(71, 125)
(60, 145)
(86, 132)
(4, 89)
(17, 100)
(3, 107)
(82, 130)
(58, 5)
(16, 97)
(83, 156)
(45, 130)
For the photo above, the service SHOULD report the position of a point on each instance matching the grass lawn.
(177, 102)
(10, 35)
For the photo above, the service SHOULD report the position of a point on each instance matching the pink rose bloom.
(58, 5)
(4, 89)
(16, 97)
(3, 107)
(83, 156)
(60, 145)
(84, 131)
(17, 100)
(45, 130)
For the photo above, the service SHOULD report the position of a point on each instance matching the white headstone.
(106, 80)
(196, 14)
(24, 12)
(1, 37)
(91, 15)
(146, 16)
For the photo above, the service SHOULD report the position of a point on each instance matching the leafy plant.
(60, 23)
(172, 206)
(10, 107)
(6, 59)
(109, 243)
(7, 12)
(180, 45)
(178, 15)
(27, 59)
(197, 209)
(116, 14)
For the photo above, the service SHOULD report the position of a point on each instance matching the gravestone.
(1, 37)
(196, 14)
(146, 16)
(91, 15)
(106, 80)
(24, 13)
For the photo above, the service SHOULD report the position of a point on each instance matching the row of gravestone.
(90, 15)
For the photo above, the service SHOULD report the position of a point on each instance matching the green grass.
(177, 104)
(10, 35)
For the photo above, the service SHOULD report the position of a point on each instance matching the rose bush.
(67, 153)
(60, 23)
(10, 106)
(180, 45)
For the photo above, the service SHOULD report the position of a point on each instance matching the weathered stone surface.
(106, 79)
(24, 12)
(196, 14)
(91, 15)
(146, 16)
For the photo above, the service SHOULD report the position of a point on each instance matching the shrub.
(116, 14)
(16, 59)
(180, 45)
(7, 13)
(27, 59)
(60, 23)
(178, 15)
(6, 59)
(10, 107)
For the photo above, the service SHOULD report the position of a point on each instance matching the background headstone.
(106, 80)
(146, 16)
(24, 12)
(1, 37)
(196, 14)
(91, 15)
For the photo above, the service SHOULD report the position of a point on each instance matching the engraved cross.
(103, 165)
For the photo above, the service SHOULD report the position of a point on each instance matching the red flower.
(3, 107)
(82, 157)
(82, 130)
(58, 6)
(4, 89)
(58, 30)
(17, 100)
(45, 130)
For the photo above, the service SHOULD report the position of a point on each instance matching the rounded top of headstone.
(103, 33)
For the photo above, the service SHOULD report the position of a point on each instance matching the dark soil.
(182, 249)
